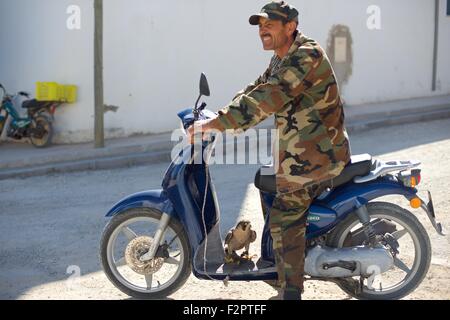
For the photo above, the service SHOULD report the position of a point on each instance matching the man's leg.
(288, 227)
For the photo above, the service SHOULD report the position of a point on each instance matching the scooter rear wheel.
(43, 125)
(122, 270)
(410, 270)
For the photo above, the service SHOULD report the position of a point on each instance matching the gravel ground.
(50, 226)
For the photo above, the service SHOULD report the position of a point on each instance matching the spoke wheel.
(42, 132)
(128, 237)
(411, 264)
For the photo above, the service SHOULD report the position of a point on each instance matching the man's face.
(273, 33)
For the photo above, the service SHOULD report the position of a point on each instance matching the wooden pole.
(435, 47)
(98, 75)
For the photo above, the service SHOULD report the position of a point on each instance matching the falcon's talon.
(248, 257)
(244, 255)
(231, 258)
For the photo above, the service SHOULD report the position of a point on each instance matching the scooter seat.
(34, 104)
(360, 165)
(266, 182)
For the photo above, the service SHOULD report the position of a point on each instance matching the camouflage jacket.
(303, 95)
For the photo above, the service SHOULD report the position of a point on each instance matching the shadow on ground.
(51, 226)
(48, 224)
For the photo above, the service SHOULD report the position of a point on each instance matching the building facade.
(154, 52)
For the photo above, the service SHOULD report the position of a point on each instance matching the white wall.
(388, 64)
(154, 53)
(443, 69)
(168, 46)
(37, 46)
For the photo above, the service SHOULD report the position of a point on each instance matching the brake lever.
(196, 111)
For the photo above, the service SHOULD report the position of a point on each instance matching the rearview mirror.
(24, 93)
(204, 87)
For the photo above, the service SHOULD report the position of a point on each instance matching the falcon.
(239, 237)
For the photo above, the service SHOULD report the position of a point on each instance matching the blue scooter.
(371, 249)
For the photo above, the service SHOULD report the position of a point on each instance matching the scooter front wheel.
(127, 237)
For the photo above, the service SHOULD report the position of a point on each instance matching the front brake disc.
(136, 248)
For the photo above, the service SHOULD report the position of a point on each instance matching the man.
(300, 89)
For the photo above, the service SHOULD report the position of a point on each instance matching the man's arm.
(264, 99)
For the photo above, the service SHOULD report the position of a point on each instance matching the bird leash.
(227, 278)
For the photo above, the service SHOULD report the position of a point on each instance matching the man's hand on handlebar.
(199, 126)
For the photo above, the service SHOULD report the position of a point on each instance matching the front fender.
(351, 196)
(155, 199)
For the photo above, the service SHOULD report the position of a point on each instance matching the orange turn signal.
(415, 203)
(413, 182)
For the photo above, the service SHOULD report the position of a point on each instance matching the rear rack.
(382, 167)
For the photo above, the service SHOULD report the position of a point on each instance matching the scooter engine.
(15, 133)
(328, 262)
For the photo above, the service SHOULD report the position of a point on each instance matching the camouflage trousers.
(288, 217)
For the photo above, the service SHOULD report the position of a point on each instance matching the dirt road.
(50, 226)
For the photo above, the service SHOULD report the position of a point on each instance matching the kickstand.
(360, 288)
(226, 281)
(227, 278)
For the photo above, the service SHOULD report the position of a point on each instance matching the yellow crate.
(48, 91)
(70, 93)
(52, 91)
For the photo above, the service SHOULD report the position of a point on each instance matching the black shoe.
(292, 294)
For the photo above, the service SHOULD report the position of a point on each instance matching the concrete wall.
(160, 51)
(443, 70)
(37, 46)
(154, 53)
(388, 64)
